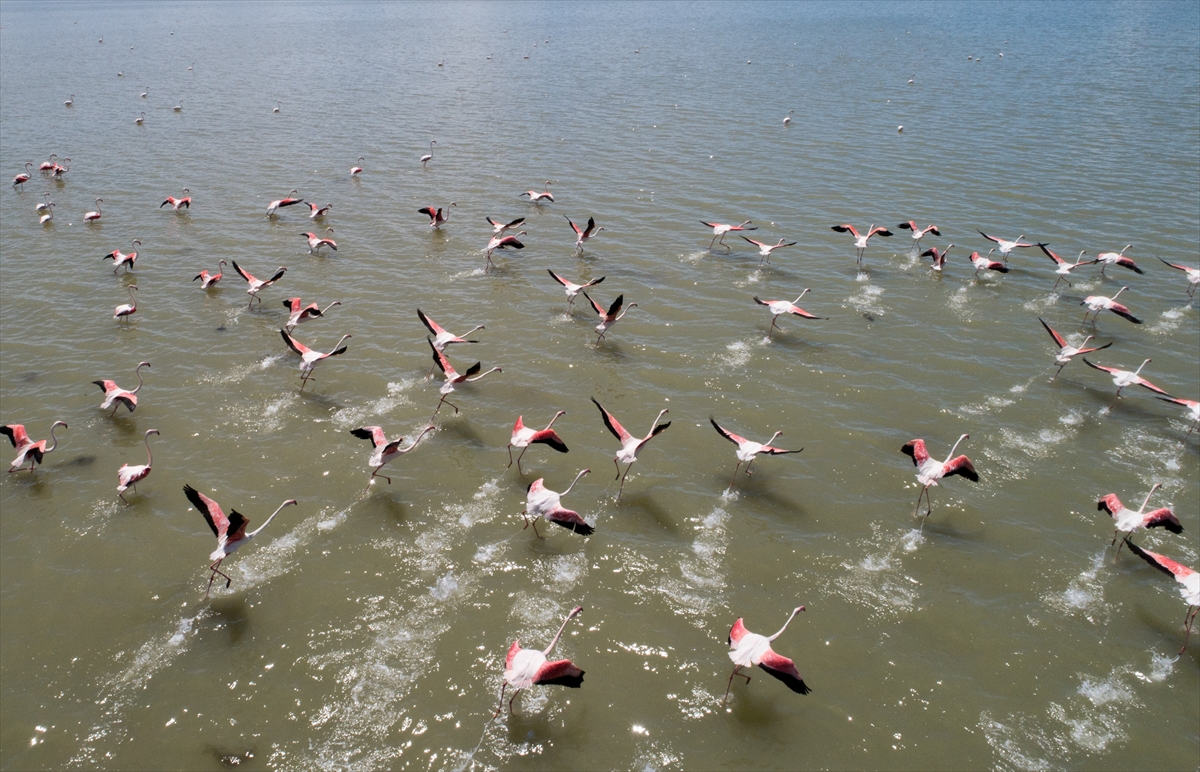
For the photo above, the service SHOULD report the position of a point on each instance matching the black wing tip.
(361, 433)
(1174, 526)
(570, 681)
(581, 528)
(795, 684)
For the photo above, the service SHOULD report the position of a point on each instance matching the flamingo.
(748, 449)
(60, 169)
(71, 100)
(930, 470)
(278, 106)
(1065, 351)
(27, 449)
(765, 250)
(536, 197)
(230, 531)
(720, 229)
(1187, 578)
(437, 216)
(425, 159)
(523, 437)
(572, 288)
(1123, 378)
(1005, 247)
(630, 445)
(452, 376)
(115, 396)
(129, 476)
(1128, 520)
(983, 263)
(502, 242)
(298, 314)
(315, 242)
(860, 242)
(48, 166)
(126, 310)
(93, 216)
(44, 206)
(540, 501)
(185, 202)
(207, 280)
(748, 649)
(781, 307)
(141, 119)
(1193, 276)
(385, 451)
(357, 170)
(120, 259)
(48, 217)
(1098, 303)
(525, 667)
(1064, 267)
(1193, 409)
(919, 233)
(939, 258)
(318, 212)
(255, 283)
(787, 119)
(611, 316)
(1118, 258)
(582, 235)
(179, 107)
(145, 93)
(288, 200)
(442, 337)
(499, 228)
(22, 178)
(309, 359)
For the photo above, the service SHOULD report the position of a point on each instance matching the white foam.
(396, 396)
(444, 587)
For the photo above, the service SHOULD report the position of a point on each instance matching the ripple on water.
(1169, 321)
(868, 299)
(737, 354)
(237, 374)
(396, 396)
(698, 590)
(1084, 594)
(877, 580)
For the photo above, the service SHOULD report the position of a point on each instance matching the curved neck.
(331, 305)
(149, 457)
(773, 436)
(557, 635)
(795, 611)
(805, 292)
(269, 519)
(138, 370)
(960, 439)
(1114, 297)
(477, 377)
(338, 344)
(424, 431)
(52, 437)
(572, 485)
(654, 425)
(1148, 495)
(1143, 364)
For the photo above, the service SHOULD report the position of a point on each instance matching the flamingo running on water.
(298, 314)
(720, 229)
(540, 501)
(315, 242)
(129, 476)
(523, 437)
(443, 337)
(781, 307)
(24, 177)
(1098, 303)
(230, 531)
(288, 200)
(573, 288)
(126, 310)
(930, 470)
(357, 170)
(257, 284)
(1005, 247)
(537, 197)
(499, 228)
(860, 242)
(524, 668)
(1122, 378)
(748, 449)
(1188, 579)
(917, 232)
(630, 445)
(611, 316)
(452, 376)
(1064, 267)
(115, 396)
(119, 258)
(425, 159)
(748, 649)
(583, 234)
(939, 258)
(1066, 351)
(184, 202)
(1128, 520)
(765, 250)
(318, 212)
(1193, 276)
(500, 241)
(385, 452)
(207, 280)
(983, 263)
(1192, 407)
(309, 358)
(436, 215)
(93, 216)
(1118, 258)
(27, 449)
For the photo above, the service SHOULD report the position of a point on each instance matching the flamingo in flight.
(441, 336)
(917, 232)
(1064, 267)
(385, 452)
(257, 284)
(1188, 579)
(611, 316)
(1193, 409)
(630, 445)
(1066, 351)
(126, 310)
(230, 531)
(298, 314)
(115, 396)
(1005, 247)
(309, 358)
(499, 228)
(1193, 276)
(453, 378)
(781, 307)
(523, 437)
(1098, 303)
(538, 196)
(860, 242)
(288, 200)
(720, 229)
(939, 258)
(765, 250)
(984, 263)
(119, 258)
(1128, 520)
(748, 449)
(1118, 258)
(930, 470)
(315, 242)
(129, 476)
(318, 212)
(437, 215)
(583, 234)
(425, 159)
(94, 216)
(185, 202)
(357, 170)
(1122, 378)
(500, 241)
(540, 501)
(48, 166)
(207, 280)
(524, 668)
(27, 449)
(573, 288)
(24, 177)
(748, 649)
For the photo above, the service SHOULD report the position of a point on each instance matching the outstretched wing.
(210, 509)
(735, 439)
(294, 344)
(561, 673)
(430, 325)
(1162, 518)
(1161, 562)
(613, 425)
(845, 229)
(989, 238)
(242, 272)
(774, 451)
(785, 670)
(1109, 370)
(736, 632)
(570, 520)
(615, 308)
(595, 306)
(440, 359)
(916, 449)
(574, 227)
(1057, 338)
(960, 466)
(1110, 503)
(16, 434)
(372, 433)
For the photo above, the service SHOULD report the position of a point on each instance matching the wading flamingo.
(583, 234)
(437, 215)
(523, 437)
(939, 258)
(309, 359)
(24, 177)
(115, 396)
(126, 310)
(357, 170)
(500, 241)
(385, 451)
(94, 216)
(748, 649)
(525, 667)
(1065, 351)
(318, 212)
(984, 263)
(230, 531)
(315, 242)
(425, 159)
(930, 470)
(1189, 582)
(540, 501)
(748, 449)
(630, 445)
(48, 166)
(129, 476)
(537, 196)
(207, 280)
(288, 200)
(119, 258)
(184, 202)
(27, 449)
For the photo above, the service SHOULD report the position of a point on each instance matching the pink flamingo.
(748, 649)
(611, 316)
(781, 307)
(48, 166)
(523, 437)
(318, 212)
(540, 501)
(315, 242)
(129, 476)
(60, 169)
(94, 216)
(1064, 267)
(525, 667)
(1118, 258)
(288, 200)
(1065, 351)
(537, 197)
(184, 202)
(385, 451)
(1128, 520)
(115, 396)
(1122, 378)
(126, 310)
(982, 263)
(630, 445)
(748, 449)
(583, 234)
(309, 358)
(207, 280)
(573, 288)
(120, 258)
(437, 215)
(1187, 578)
(917, 232)
(930, 470)
(500, 241)
(257, 284)
(720, 229)
(442, 337)
(24, 177)
(27, 449)
(1193, 408)
(860, 242)
(1098, 303)
(357, 170)
(939, 258)
(425, 159)
(1193, 276)
(765, 250)
(499, 228)
(1005, 247)
(298, 314)
(230, 531)
(453, 378)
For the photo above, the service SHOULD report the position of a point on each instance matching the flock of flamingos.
(527, 667)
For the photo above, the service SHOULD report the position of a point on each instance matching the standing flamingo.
(984, 263)
(120, 258)
(357, 170)
(500, 241)
(1188, 579)
(184, 202)
(1006, 247)
(748, 649)
(1128, 520)
(1193, 276)
(27, 449)
(572, 288)
(525, 667)
(748, 449)
(1122, 378)
(719, 230)
(860, 242)
(1063, 267)
(115, 396)
(917, 232)
(93, 216)
(48, 166)
(540, 501)
(452, 376)
(1098, 303)
(781, 307)
(523, 437)
(24, 177)
(583, 234)
(630, 445)
(499, 228)
(930, 470)
(230, 531)
(126, 310)
(298, 314)
(71, 99)
(765, 250)
(48, 217)
(611, 316)
(425, 159)
(59, 170)
(1118, 258)
(537, 197)
(318, 212)
(207, 280)
(385, 451)
(315, 242)
(1193, 409)
(939, 258)
(140, 119)
(437, 215)
(309, 358)
(1065, 351)
(288, 200)
(255, 283)
(129, 476)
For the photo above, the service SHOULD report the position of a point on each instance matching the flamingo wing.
(294, 344)
(1109, 503)
(615, 308)
(595, 306)
(574, 227)
(785, 670)
(879, 230)
(243, 273)
(393, 446)
(735, 439)
(908, 226)
(1162, 518)
(774, 451)
(960, 466)
(473, 369)
(591, 226)
(1124, 312)
(916, 449)
(373, 433)
(237, 526)
(513, 651)
(427, 210)
(1161, 562)
(657, 430)
(846, 229)
(613, 425)
(551, 438)
(1145, 384)
(1096, 348)
(570, 520)
(430, 325)
(515, 222)
(710, 224)
(292, 304)
(16, 434)
(1109, 370)
(558, 278)
(934, 230)
(759, 244)
(737, 631)
(210, 509)
(442, 362)
(1126, 262)
(35, 451)
(1051, 255)
(989, 238)
(279, 274)
(560, 672)
(1177, 266)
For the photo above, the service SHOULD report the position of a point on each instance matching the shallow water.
(367, 627)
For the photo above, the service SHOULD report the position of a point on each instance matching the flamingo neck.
(424, 431)
(139, 374)
(654, 425)
(773, 436)
(493, 370)
(338, 344)
(149, 457)
(621, 315)
(557, 635)
(1143, 364)
(254, 533)
(331, 305)
(556, 415)
(52, 437)
(1148, 495)
(572, 485)
(1114, 297)
(960, 439)
(802, 294)
(795, 611)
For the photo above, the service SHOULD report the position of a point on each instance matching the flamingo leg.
(500, 707)
(618, 466)
(114, 412)
(729, 683)
(748, 472)
(384, 476)
(448, 402)
(122, 495)
(1189, 618)
(1056, 372)
(216, 572)
(710, 244)
(773, 327)
(735, 471)
(510, 702)
(510, 458)
(522, 453)
(623, 481)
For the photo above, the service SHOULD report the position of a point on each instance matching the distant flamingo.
(537, 197)
(781, 307)
(1098, 303)
(48, 166)
(141, 119)
(179, 107)
(441, 336)
(59, 170)
(49, 215)
(1064, 267)
(917, 232)
(278, 107)
(1193, 276)
(298, 314)
(120, 258)
(44, 206)
(525, 667)
(1122, 378)
(1065, 351)
(583, 234)
(860, 242)
(765, 250)
(939, 258)
(983, 263)
(1118, 258)
(787, 119)
(540, 501)
(930, 470)
(1005, 247)
(611, 316)
(129, 476)
(27, 449)
(1188, 579)
(288, 200)
(145, 93)
(257, 284)
(500, 227)
(315, 242)
(318, 212)
(523, 437)
(630, 445)
(309, 358)
(126, 310)
(452, 376)
(572, 288)
(748, 449)
(230, 531)
(1128, 520)
(500, 241)
(437, 216)
(24, 177)
(1192, 407)
(425, 159)
(749, 649)
(94, 216)
(719, 230)
(207, 280)
(385, 452)
(115, 396)
(357, 170)
(185, 202)
(71, 100)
